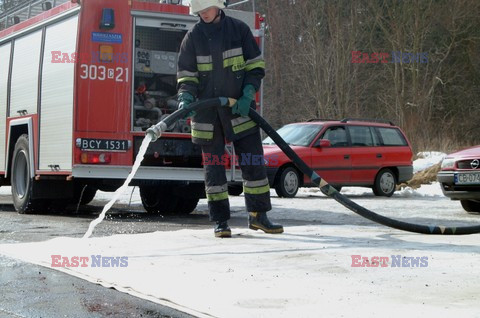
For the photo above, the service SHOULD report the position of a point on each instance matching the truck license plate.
(103, 144)
(467, 178)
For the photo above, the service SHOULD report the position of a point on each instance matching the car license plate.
(103, 144)
(467, 178)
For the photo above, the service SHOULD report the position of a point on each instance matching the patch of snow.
(427, 159)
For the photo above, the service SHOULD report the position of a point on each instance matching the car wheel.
(235, 189)
(21, 179)
(288, 183)
(471, 206)
(385, 182)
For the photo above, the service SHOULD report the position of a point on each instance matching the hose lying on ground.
(302, 166)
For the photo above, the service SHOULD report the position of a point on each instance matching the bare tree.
(430, 85)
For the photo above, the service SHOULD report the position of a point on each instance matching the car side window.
(337, 136)
(361, 136)
(392, 137)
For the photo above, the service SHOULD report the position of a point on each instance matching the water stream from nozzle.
(123, 188)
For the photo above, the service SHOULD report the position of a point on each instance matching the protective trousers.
(255, 182)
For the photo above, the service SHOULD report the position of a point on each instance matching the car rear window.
(392, 137)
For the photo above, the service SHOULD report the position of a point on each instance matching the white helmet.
(199, 5)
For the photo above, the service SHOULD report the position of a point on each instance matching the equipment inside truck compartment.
(155, 77)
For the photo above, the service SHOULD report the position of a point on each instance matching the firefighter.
(219, 57)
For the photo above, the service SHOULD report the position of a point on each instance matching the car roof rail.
(321, 119)
(374, 120)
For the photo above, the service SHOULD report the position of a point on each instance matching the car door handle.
(346, 156)
(379, 155)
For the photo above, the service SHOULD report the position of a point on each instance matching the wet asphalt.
(28, 290)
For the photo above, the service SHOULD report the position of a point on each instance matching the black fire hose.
(326, 189)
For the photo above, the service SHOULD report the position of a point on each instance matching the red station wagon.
(348, 152)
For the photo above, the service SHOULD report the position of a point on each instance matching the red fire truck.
(80, 82)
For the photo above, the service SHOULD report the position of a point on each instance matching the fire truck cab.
(80, 82)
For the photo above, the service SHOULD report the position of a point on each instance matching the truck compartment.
(155, 77)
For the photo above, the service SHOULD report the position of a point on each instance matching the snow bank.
(427, 159)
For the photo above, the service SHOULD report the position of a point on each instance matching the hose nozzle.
(156, 131)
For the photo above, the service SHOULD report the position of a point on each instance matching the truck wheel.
(471, 206)
(288, 183)
(186, 205)
(385, 182)
(235, 189)
(83, 193)
(21, 178)
(159, 199)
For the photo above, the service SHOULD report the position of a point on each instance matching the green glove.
(185, 99)
(242, 106)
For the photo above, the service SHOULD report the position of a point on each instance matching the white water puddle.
(123, 188)
(305, 272)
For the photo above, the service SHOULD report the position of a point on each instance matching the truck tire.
(83, 194)
(22, 180)
(287, 183)
(186, 205)
(235, 189)
(162, 200)
(158, 199)
(385, 183)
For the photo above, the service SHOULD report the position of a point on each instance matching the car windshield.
(296, 134)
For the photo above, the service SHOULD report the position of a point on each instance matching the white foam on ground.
(305, 272)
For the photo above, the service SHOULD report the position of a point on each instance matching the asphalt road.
(29, 290)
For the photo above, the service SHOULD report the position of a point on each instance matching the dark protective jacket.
(219, 60)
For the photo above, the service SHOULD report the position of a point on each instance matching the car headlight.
(448, 163)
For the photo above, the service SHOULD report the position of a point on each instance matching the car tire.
(471, 206)
(287, 183)
(385, 183)
(338, 188)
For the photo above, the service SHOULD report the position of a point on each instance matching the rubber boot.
(259, 221)
(222, 230)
